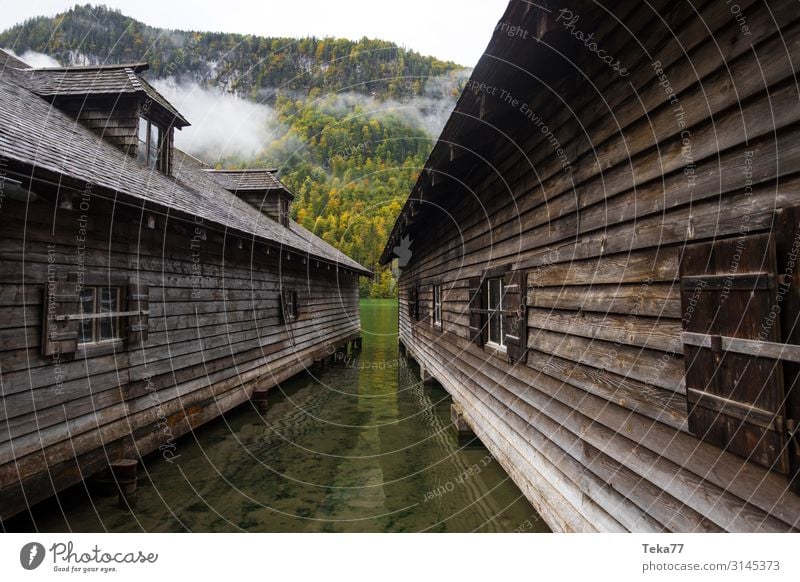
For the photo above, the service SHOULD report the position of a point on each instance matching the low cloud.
(35, 60)
(222, 125)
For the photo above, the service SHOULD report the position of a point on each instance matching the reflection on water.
(364, 447)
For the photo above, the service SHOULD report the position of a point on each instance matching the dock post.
(463, 430)
(340, 355)
(259, 399)
(124, 472)
(427, 378)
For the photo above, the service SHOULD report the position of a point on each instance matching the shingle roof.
(250, 180)
(36, 134)
(9, 60)
(97, 80)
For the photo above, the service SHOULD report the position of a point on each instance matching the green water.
(362, 447)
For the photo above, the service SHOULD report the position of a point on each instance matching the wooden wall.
(113, 117)
(215, 333)
(267, 202)
(594, 427)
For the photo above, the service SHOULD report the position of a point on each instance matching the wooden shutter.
(787, 241)
(416, 303)
(288, 305)
(60, 333)
(284, 297)
(735, 400)
(412, 301)
(515, 324)
(138, 301)
(477, 310)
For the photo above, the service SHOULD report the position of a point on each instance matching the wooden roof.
(478, 122)
(98, 80)
(9, 60)
(250, 180)
(40, 136)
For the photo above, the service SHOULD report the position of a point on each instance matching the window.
(437, 305)
(495, 309)
(413, 302)
(289, 305)
(284, 211)
(77, 317)
(99, 311)
(498, 308)
(150, 148)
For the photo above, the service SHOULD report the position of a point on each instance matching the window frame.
(290, 305)
(437, 305)
(144, 147)
(283, 210)
(98, 317)
(291, 312)
(495, 312)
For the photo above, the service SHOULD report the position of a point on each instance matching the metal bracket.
(102, 315)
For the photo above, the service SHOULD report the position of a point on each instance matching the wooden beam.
(757, 348)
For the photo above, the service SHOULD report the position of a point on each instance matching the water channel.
(360, 447)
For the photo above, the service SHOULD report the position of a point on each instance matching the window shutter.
(138, 300)
(60, 336)
(787, 241)
(416, 303)
(295, 304)
(288, 305)
(284, 296)
(477, 307)
(735, 400)
(516, 323)
(412, 300)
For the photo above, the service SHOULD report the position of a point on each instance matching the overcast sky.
(457, 30)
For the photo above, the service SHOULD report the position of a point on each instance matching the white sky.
(457, 30)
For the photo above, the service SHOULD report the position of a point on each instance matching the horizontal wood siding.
(593, 426)
(115, 117)
(214, 335)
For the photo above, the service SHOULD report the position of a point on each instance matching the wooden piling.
(427, 377)
(124, 472)
(463, 430)
(259, 400)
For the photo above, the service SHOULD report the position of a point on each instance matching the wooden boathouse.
(599, 262)
(141, 292)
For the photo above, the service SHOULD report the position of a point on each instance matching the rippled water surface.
(361, 447)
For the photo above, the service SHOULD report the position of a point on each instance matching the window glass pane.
(494, 320)
(141, 147)
(155, 147)
(494, 293)
(109, 298)
(86, 327)
(143, 129)
(154, 136)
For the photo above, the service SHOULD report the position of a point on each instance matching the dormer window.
(260, 188)
(150, 148)
(116, 103)
(284, 211)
